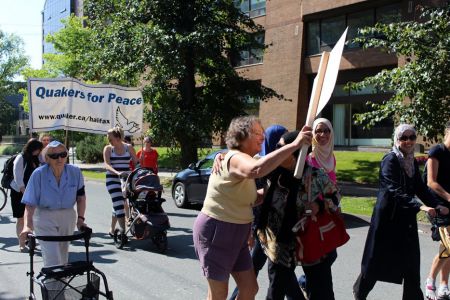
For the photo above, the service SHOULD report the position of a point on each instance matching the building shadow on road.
(352, 221)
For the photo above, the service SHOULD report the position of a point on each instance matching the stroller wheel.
(160, 241)
(120, 239)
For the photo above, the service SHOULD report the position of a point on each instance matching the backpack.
(8, 175)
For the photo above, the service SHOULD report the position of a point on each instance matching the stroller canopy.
(143, 179)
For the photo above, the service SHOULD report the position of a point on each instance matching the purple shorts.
(221, 247)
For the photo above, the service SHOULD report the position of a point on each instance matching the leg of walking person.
(430, 286)
(258, 258)
(362, 287)
(319, 283)
(18, 210)
(282, 282)
(411, 281)
(443, 291)
(246, 284)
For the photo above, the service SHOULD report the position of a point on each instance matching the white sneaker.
(430, 289)
(443, 293)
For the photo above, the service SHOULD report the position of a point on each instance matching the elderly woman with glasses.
(392, 252)
(50, 197)
(223, 227)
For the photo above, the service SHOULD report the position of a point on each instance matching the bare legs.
(19, 228)
(246, 283)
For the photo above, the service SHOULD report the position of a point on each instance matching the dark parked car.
(189, 186)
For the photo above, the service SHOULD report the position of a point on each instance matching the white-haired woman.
(392, 252)
(50, 196)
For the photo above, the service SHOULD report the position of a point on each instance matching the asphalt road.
(139, 272)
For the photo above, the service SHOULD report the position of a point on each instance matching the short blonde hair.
(239, 130)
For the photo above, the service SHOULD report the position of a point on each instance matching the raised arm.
(244, 166)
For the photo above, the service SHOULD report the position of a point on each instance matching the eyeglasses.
(57, 155)
(323, 131)
(404, 138)
(258, 133)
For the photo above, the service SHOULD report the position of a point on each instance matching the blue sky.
(23, 17)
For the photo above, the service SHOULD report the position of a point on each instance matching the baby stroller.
(147, 218)
(73, 281)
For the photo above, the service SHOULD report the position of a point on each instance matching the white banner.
(66, 103)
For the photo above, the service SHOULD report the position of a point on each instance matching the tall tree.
(181, 52)
(421, 88)
(12, 61)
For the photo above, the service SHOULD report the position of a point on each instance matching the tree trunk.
(188, 152)
(188, 140)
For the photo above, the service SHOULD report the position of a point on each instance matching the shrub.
(12, 149)
(90, 149)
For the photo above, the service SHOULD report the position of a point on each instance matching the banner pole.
(66, 141)
(312, 109)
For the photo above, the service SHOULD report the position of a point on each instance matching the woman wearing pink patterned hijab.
(322, 155)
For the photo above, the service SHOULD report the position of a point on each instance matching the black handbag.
(435, 235)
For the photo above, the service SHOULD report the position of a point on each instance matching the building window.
(323, 34)
(252, 8)
(253, 55)
(356, 21)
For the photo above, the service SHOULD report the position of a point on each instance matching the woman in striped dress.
(117, 156)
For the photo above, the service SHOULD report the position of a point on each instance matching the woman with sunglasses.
(50, 198)
(24, 165)
(392, 252)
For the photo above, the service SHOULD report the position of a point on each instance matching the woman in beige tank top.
(222, 228)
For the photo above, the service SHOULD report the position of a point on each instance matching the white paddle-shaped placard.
(323, 87)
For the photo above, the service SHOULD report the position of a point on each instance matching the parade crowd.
(256, 210)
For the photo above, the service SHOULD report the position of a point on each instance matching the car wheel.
(179, 195)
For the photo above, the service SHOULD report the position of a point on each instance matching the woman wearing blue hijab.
(273, 134)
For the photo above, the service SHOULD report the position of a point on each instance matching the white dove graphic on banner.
(123, 122)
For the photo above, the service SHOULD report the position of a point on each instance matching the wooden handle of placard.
(312, 110)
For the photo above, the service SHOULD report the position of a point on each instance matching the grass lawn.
(355, 166)
(94, 175)
(364, 206)
(358, 205)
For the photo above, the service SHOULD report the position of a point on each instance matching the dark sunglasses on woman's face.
(57, 155)
(323, 131)
(404, 138)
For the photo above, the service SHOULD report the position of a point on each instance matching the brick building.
(297, 32)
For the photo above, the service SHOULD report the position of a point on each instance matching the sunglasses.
(404, 138)
(57, 155)
(324, 131)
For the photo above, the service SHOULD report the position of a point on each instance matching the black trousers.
(283, 282)
(319, 280)
(411, 287)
